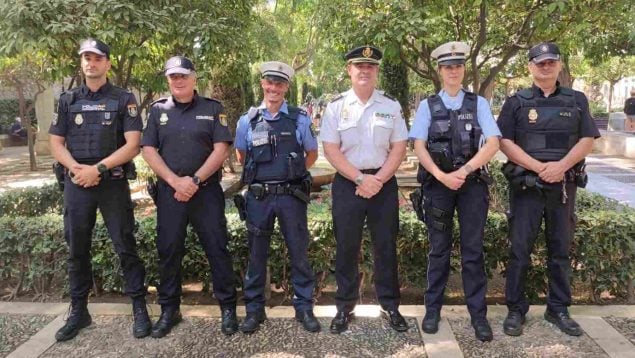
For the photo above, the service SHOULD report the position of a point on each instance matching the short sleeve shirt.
(508, 118)
(486, 121)
(304, 132)
(364, 131)
(127, 113)
(185, 134)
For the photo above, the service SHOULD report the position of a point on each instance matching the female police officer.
(447, 133)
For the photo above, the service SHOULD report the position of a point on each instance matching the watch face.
(196, 180)
(101, 168)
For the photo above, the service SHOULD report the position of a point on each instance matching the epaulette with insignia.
(303, 112)
(389, 97)
(337, 98)
(160, 100)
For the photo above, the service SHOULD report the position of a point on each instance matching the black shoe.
(170, 317)
(229, 324)
(513, 324)
(482, 330)
(252, 321)
(430, 322)
(396, 320)
(78, 318)
(142, 326)
(564, 322)
(340, 322)
(309, 322)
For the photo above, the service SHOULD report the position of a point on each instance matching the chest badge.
(107, 115)
(533, 116)
(164, 118)
(468, 126)
(79, 119)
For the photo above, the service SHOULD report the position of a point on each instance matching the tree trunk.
(26, 122)
(611, 87)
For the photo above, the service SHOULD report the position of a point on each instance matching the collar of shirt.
(84, 90)
(450, 102)
(284, 108)
(352, 99)
(171, 103)
(538, 91)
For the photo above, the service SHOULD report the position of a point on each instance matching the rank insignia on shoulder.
(79, 119)
(533, 115)
(164, 118)
(223, 119)
(132, 110)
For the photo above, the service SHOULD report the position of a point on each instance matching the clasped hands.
(370, 186)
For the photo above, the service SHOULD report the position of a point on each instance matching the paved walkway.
(609, 332)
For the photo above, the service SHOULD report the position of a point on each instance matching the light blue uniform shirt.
(484, 116)
(303, 132)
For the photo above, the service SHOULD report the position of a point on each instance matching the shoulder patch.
(337, 98)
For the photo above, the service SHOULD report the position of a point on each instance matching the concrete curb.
(607, 337)
(39, 342)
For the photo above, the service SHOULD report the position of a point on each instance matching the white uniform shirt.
(364, 131)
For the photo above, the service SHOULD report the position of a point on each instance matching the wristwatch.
(196, 180)
(359, 179)
(102, 168)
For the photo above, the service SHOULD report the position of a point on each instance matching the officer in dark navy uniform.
(94, 136)
(547, 132)
(364, 136)
(455, 136)
(185, 143)
(275, 142)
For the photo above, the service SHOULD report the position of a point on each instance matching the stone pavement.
(609, 332)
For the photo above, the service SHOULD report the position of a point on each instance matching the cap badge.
(367, 52)
(79, 119)
(93, 43)
(453, 47)
(164, 118)
(533, 115)
(178, 62)
(279, 68)
(544, 48)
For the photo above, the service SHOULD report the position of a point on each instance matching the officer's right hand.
(453, 180)
(185, 187)
(370, 186)
(181, 198)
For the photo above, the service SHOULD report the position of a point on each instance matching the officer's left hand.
(180, 197)
(85, 175)
(553, 172)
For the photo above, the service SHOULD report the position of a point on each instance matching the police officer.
(364, 137)
(275, 142)
(94, 136)
(449, 130)
(185, 143)
(547, 131)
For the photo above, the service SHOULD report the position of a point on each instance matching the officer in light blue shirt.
(455, 136)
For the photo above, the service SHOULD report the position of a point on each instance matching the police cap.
(451, 53)
(277, 71)
(94, 46)
(544, 51)
(179, 64)
(364, 54)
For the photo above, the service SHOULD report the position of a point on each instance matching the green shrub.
(32, 201)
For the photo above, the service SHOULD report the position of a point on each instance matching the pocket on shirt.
(383, 125)
(349, 135)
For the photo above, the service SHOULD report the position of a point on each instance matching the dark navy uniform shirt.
(128, 116)
(508, 118)
(185, 133)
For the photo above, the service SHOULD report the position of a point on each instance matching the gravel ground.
(539, 339)
(109, 336)
(16, 329)
(626, 326)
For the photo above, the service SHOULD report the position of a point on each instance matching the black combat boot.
(78, 318)
(170, 317)
(142, 325)
(229, 324)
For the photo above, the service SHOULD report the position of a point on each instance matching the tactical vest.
(454, 135)
(547, 128)
(93, 132)
(275, 151)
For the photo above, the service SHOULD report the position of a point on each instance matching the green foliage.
(603, 250)
(394, 80)
(9, 109)
(32, 201)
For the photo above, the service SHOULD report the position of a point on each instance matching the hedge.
(33, 252)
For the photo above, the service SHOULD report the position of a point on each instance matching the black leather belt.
(275, 189)
(369, 171)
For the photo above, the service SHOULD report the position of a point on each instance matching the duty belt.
(275, 189)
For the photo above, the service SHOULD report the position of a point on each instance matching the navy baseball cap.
(179, 64)
(95, 46)
(544, 51)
